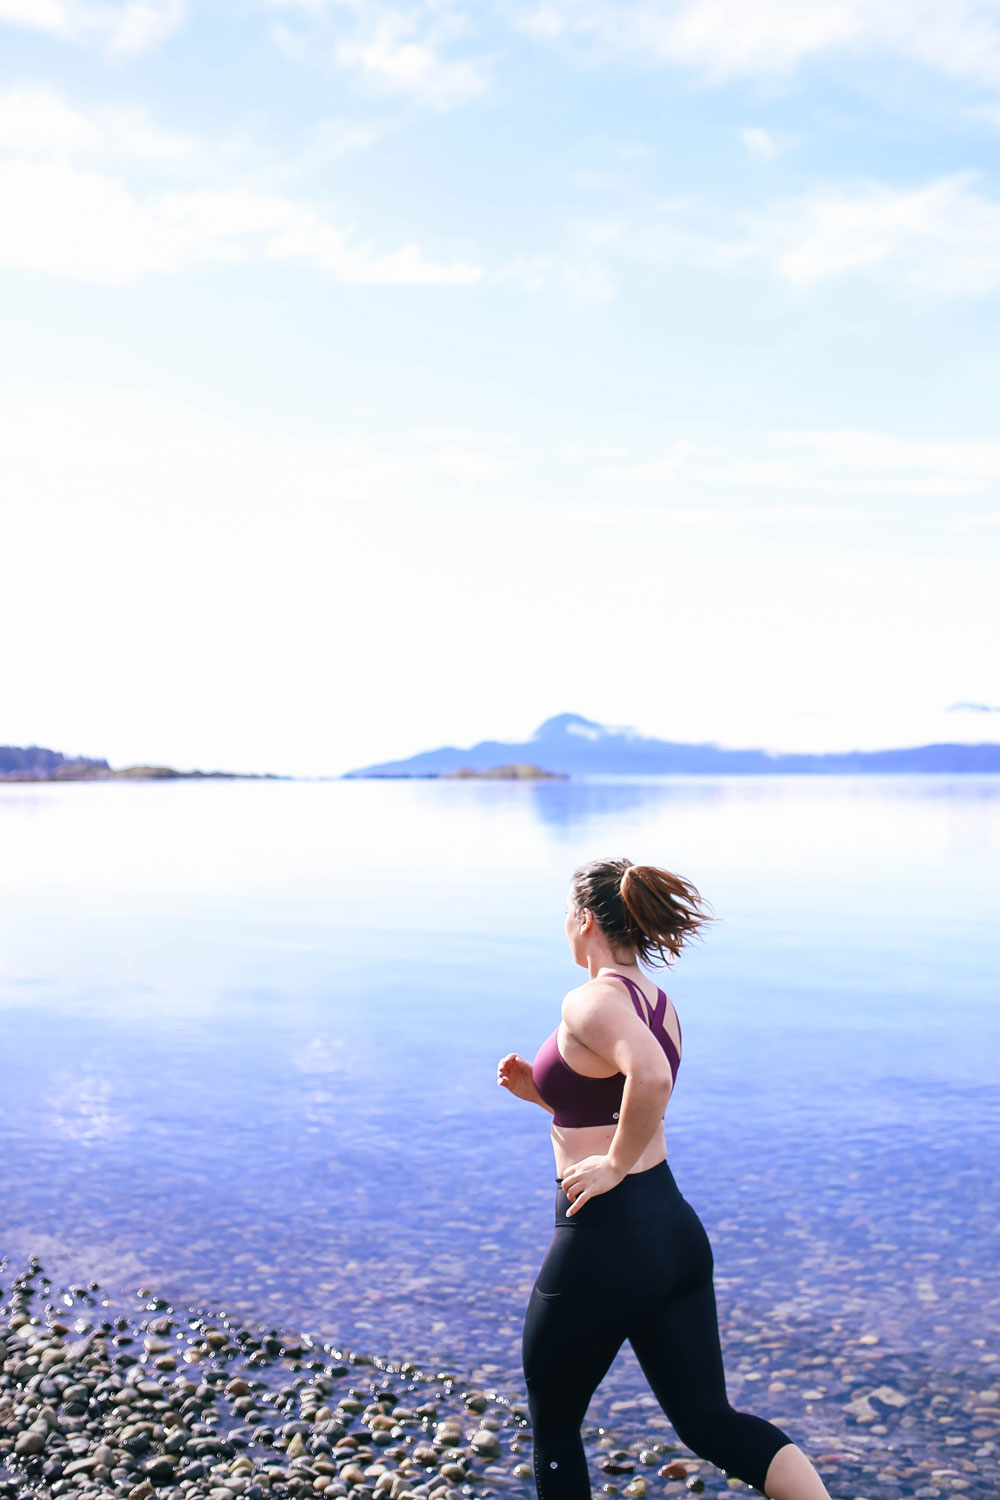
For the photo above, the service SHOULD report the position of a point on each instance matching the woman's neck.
(615, 968)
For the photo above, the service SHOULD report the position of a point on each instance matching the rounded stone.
(674, 1470)
(31, 1441)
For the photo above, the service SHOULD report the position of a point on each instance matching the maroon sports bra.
(578, 1100)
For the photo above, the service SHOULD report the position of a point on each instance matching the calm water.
(250, 1034)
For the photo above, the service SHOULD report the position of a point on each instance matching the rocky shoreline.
(106, 1401)
(108, 1396)
(153, 1400)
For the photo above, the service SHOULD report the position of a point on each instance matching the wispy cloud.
(336, 136)
(398, 51)
(661, 470)
(939, 239)
(588, 277)
(119, 445)
(68, 221)
(724, 39)
(966, 466)
(942, 237)
(395, 53)
(822, 462)
(68, 207)
(759, 143)
(35, 121)
(121, 30)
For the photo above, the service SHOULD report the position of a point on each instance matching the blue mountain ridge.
(571, 744)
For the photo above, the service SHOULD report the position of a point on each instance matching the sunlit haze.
(378, 378)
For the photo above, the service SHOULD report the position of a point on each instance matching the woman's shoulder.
(594, 995)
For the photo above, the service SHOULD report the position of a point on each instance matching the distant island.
(34, 763)
(571, 745)
(519, 772)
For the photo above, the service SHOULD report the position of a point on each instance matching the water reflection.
(569, 808)
(251, 1033)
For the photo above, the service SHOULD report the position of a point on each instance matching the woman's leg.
(568, 1346)
(677, 1345)
(792, 1477)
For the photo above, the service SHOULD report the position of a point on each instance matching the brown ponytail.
(641, 907)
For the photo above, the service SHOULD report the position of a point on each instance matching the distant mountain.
(33, 763)
(571, 744)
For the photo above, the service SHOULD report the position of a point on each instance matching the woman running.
(629, 1258)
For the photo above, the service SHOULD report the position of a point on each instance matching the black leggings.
(634, 1263)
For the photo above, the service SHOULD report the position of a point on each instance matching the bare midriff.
(572, 1143)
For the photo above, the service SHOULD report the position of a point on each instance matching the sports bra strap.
(642, 1011)
(639, 1000)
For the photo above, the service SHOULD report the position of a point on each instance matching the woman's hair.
(640, 907)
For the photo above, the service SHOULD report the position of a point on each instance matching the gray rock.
(159, 1468)
(30, 1441)
(82, 1466)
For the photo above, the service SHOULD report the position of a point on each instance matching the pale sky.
(379, 376)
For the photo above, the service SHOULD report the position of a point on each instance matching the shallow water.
(251, 1032)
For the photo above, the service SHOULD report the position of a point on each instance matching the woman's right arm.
(514, 1074)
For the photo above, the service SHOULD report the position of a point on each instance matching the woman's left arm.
(631, 1046)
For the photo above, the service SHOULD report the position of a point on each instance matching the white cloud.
(831, 461)
(123, 30)
(723, 38)
(587, 277)
(144, 24)
(658, 471)
(600, 514)
(759, 143)
(546, 20)
(736, 38)
(335, 137)
(36, 121)
(394, 56)
(452, 461)
(400, 51)
(943, 237)
(61, 219)
(971, 463)
(61, 215)
(168, 454)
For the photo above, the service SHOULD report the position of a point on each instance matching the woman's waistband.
(638, 1197)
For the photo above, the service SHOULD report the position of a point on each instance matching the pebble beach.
(130, 1396)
